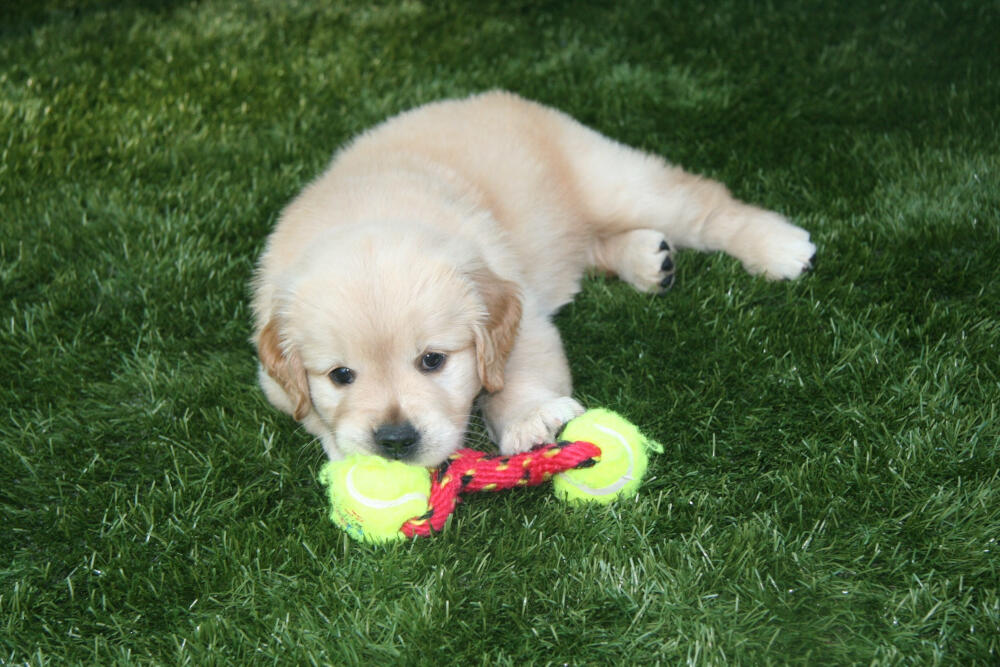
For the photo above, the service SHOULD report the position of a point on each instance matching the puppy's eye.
(342, 375)
(432, 361)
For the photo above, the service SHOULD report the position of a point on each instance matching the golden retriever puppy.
(419, 273)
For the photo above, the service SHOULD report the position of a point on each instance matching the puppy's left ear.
(496, 335)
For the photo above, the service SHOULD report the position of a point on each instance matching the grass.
(830, 491)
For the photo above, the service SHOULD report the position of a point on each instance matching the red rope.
(468, 471)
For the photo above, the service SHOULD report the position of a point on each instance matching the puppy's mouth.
(404, 440)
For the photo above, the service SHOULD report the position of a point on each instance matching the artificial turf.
(829, 491)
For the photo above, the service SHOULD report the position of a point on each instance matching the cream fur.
(459, 228)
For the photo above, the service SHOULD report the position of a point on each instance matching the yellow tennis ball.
(622, 464)
(371, 497)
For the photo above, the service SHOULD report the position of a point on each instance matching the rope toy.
(600, 457)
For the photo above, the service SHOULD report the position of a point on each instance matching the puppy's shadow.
(476, 436)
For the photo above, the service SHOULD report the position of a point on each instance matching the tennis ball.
(621, 467)
(372, 497)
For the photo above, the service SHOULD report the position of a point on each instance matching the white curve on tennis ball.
(375, 503)
(622, 481)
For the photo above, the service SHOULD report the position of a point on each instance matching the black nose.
(397, 441)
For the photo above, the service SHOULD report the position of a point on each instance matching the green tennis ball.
(621, 467)
(372, 497)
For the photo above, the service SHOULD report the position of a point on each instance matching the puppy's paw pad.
(645, 261)
(772, 246)
(539, 425)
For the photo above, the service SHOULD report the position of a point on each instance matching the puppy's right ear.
(285, 367)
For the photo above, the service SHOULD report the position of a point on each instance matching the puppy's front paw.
(538, 426)
(771, 245)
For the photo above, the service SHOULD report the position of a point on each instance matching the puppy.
(419, 273)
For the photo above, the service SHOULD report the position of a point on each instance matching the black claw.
(812, 263)
(667, 282)
(668, 264)
(664, 245)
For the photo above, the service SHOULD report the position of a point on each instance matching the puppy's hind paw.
(772, 246)
(640, 257)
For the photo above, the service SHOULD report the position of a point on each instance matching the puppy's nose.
(397, 441)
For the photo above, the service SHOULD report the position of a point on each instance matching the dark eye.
(432, 361)
(342, 375)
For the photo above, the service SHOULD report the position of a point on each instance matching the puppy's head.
(382, 342)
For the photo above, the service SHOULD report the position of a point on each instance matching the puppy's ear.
(285, 367)
(495, 336)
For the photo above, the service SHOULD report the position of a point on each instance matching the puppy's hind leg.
(623, 189)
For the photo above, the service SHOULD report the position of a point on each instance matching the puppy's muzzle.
(397, 441)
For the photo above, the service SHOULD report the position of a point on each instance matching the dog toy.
(601, 457)
(623, 459)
